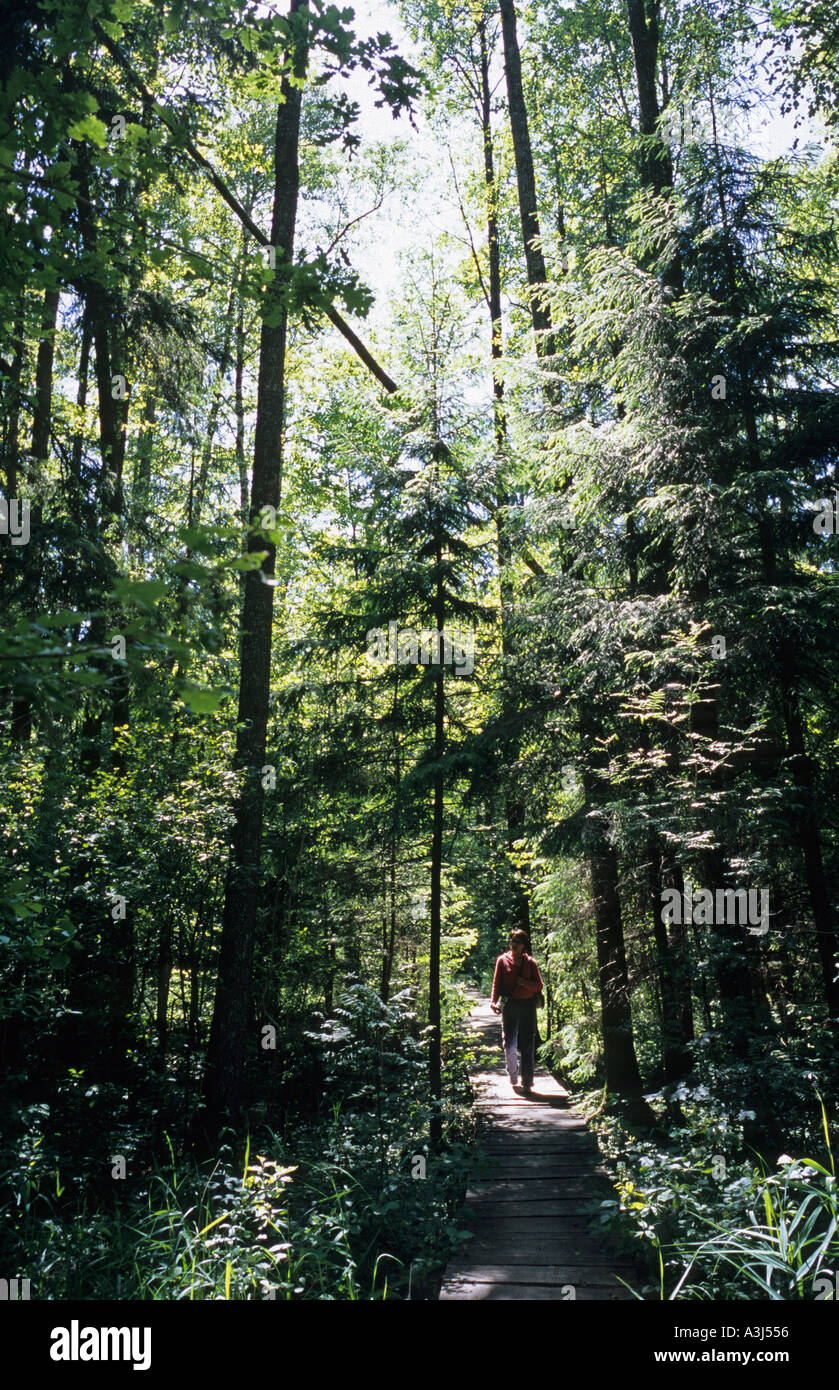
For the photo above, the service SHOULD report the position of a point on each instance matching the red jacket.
(507, 979)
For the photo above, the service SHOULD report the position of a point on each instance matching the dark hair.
(522, 936)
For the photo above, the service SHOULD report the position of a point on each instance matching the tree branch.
(233, 203)
(532, 563)
(524, 554)
(360, 350)
(475, 258)
(352, 223)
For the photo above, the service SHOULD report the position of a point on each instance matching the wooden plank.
(581, 1200)
(531, 1164)
(523, 1109)
(502, 1093)
(511, 1130)
(578, 1194)
(536, 1193)
(502, 1292)
(507, 1141)
(549, 1168)
(508, 1150)
(507, 1226)
(542, 1114)
(514, 1124)
(495, 1154)
(529, 1169)
(519, 1138)
(552, 1274)
(538, 1209)
(511, 1188)
(520, 1190)
(482, 1250)
(521, 1105)
(531, 1124)
(515, 1100)
(509, 1232)
(510, 1145)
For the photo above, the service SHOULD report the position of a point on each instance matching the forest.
(419, 521)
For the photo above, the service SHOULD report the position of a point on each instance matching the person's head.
(519, 943)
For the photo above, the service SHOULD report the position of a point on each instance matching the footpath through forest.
(531, 1200)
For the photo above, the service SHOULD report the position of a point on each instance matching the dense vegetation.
(419, 520)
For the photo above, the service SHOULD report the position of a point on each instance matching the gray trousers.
(518, 1028)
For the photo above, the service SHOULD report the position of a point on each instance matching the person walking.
(517, 983)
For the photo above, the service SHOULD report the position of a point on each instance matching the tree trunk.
(42, 415)
(21, 722)
(14, 379)
(526, 183)
(389, 944)
(656, 165)
(113, 411)
(111, 425)
(164, 976)
(674, 981)
(493, 254)
(81, 402)
(143, 459)
(810, 842)
(239, 411)
(623, 1077)
(227, 1047)
(434, 1054)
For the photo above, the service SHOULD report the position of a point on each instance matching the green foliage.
(711, 1225)
(364, 1210)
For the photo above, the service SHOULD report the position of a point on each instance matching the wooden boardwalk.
(530, 1202)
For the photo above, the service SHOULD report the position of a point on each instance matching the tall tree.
(227, 1046)
(537, 276)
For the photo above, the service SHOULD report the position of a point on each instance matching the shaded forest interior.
(419, 521)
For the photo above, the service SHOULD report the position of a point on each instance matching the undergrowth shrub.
(711, 1227)
(353, 1205)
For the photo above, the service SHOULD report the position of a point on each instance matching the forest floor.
(536, 1185)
